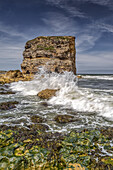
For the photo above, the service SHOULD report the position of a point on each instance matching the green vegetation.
(49, 48)
(26, 149)
(45, 48)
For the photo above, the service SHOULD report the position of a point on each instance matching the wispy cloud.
(12, 31)
(86, 41)
(107, 3)
(66, 5)
(105, 27)
(60, 24)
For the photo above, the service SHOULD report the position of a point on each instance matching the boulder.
(37, 119)
(47, 93)
(64, 118)
(8, 105)
(55, 53)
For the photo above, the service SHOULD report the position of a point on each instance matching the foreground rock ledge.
(47, 93)
(55, 53)
(31, 149)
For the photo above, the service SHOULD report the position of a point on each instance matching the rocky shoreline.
(34, 146)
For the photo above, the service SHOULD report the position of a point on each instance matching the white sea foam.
(69, 95)
(103, 77)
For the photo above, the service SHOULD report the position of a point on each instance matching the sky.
(90, 21)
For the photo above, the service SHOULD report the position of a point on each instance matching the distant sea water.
(89, 99)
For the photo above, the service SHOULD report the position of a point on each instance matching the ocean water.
(89, 99)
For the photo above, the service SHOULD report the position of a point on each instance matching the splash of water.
(69, 95)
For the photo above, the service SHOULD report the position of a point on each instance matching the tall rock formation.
(55, 53)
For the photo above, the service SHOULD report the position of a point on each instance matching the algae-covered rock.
(8, 105)
(64, 118)
(37, 119)
(47, 93)
(41, 127)
(22, 148)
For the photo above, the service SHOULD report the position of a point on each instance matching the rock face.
(55, 53)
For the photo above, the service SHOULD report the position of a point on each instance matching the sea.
(88, 98)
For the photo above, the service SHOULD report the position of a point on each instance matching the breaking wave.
(70, 94)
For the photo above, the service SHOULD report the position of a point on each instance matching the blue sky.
(90, 21)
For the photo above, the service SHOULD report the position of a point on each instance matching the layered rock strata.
(55, 53)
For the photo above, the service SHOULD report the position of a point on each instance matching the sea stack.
(54, 53)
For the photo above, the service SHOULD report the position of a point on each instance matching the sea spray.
(70, 95)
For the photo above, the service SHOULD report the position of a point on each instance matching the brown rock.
(37, 119)
(14, 76)
(55, 53)
(64, 118)
(47, 93)
(6, 92)
(79, 76)
(8, 105)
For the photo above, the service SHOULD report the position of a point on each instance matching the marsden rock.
(55, 53)
(47, 93)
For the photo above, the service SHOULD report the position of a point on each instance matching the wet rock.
(6, 92)
(8, 105)
(47, 93)
(108, 132)
(44, 104)
(41, 127)
(64, 118)
(37, 119)
(79, 76)
(29, 148)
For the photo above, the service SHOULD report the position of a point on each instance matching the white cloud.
(74, 11)
(11, 31)
(105, 27)
(86, 41)
(59, 24)
(95, 62)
